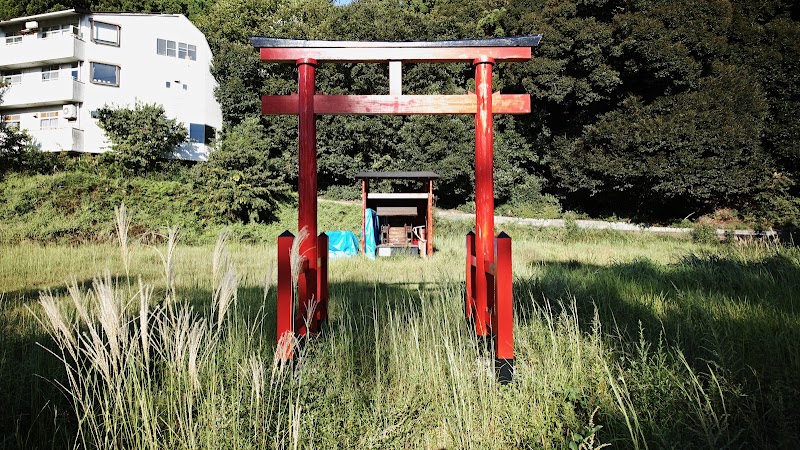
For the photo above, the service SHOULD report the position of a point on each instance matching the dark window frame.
(207, 133)
(103, 41)
(100, 82)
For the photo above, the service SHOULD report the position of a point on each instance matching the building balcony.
(58, 140)
(43, 93)
(32, 50)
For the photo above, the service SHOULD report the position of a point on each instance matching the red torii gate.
(489, 302)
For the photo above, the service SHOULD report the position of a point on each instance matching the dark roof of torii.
(513, 41)
(399, 175)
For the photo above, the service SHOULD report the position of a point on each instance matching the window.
(12, 121)
(105, 33)
(197, 132)
(50, 31)
(48, 120)
(187, 51)
(211, 133)
(105, 74)
(13, 77)
(169, 84)
(57, 30)
(75, 71)
(201, 134)
(180, 49)
(50, 73)
(13, 38)
(165, 47)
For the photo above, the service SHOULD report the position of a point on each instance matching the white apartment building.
(63, 66)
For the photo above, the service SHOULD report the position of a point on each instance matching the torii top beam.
(517, 48)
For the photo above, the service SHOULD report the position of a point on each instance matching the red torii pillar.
(488, 280)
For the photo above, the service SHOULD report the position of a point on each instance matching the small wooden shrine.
(405, 218)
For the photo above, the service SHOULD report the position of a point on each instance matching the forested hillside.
(644, 108)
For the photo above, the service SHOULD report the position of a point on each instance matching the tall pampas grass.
(123, 224)
(226, 282)
(145, 294)
(110, 356)
(168, 262)
(57, 323)
(296, 263)
(225, 294)
(193, 342)
(267, 283)
(296, 259)
(221, 257)
(147, 375)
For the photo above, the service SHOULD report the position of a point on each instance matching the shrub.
(528, 200)
(704, 234)
(775, 205)
(572, 232)
(140, 137)
(18, 153)
(545, 206)
(240, 180)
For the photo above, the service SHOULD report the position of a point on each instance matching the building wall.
(183, 86)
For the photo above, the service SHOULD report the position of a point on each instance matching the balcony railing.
(34, 50)
(59, 139)
(42, 93)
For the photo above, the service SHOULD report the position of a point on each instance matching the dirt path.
(585, 224)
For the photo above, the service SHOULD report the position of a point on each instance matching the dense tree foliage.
(642, 107)
(141, 137)
(239, 182)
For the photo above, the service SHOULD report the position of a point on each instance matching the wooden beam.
(429, 229)
(404, 54)
(321, 314)
(364, 197)
(511, 41)
(396, 104)
(285, 302)
(503, 310)
(469, 301)
(395, 78)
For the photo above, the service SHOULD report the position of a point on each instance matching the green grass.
(661, 342)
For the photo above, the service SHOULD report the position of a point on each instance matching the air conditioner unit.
(70, 112)
(32, 25)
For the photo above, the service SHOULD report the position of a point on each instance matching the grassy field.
(628, 340)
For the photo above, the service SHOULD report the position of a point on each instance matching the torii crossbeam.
(489, 303)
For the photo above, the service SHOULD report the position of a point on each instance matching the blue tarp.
(341, 244)
(371, 230)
